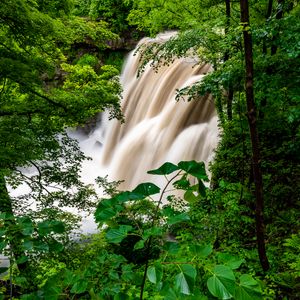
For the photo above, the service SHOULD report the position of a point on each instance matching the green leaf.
(190, 197)
(107, 209)
(146, 189)
(189, 270)
(165, 169)
(182, 184)
(222, 283)
(44, 228)
(184, 217)
(201, 250)
(194, 168)
(117, 235)
(155, 273)
(184, 281)
(139, 245)
(154, 231)
(2, 232)
(129, 196)
(41, 246)
(79, 287)
(247, 289)
(170, 294)
(26, 225)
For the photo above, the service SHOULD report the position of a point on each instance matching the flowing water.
(157, 128)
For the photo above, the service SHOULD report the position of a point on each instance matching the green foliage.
(181, 253)
(114, 12)
(41, 93)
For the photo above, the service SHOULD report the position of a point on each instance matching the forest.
(229, 231)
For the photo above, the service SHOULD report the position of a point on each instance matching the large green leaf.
(185, 280)
(222, 283)
(146, 189)
(165, 169)
(155, 274)
(194, 168)
(201, 250)
(117, 235)
(247, 289)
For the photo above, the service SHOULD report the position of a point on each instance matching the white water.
(157, 128)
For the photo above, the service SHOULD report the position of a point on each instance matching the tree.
(39, 98)
(215, 36)
(252, 119)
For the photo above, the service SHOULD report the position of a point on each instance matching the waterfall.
(158, 128)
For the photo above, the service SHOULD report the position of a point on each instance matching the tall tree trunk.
(226, 57)
(15, 240)
(252, 122)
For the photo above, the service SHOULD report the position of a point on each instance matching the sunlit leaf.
(165, 169)
(146, 189)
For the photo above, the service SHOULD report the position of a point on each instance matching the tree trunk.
(252, 122)
(226, 57)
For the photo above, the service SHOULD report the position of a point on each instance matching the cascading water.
(157, 128)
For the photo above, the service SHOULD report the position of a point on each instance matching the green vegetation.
(237, 239)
